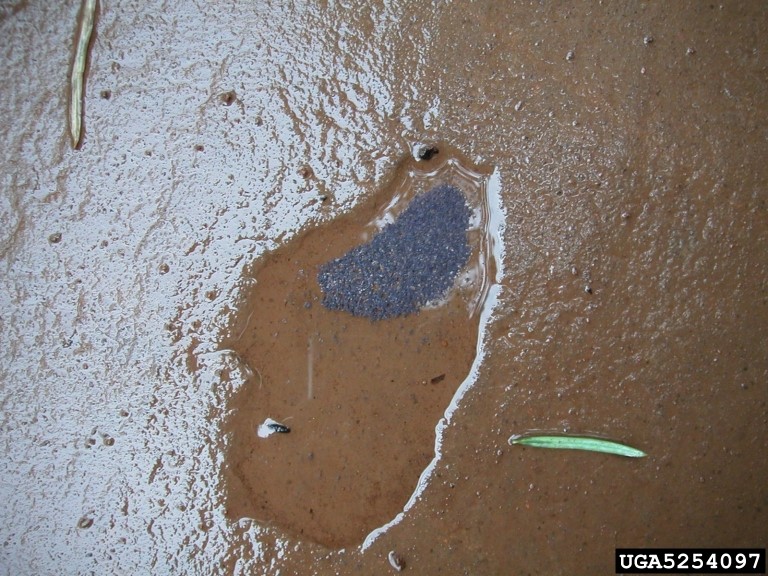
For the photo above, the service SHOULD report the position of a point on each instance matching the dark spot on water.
(428, 152)
(106, 94)
(279, 428)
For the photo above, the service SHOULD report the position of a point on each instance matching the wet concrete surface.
(629, 141)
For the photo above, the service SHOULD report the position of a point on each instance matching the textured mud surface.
(630, 144)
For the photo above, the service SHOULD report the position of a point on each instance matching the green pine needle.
(578, 443)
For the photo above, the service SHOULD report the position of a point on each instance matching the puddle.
(357, 390)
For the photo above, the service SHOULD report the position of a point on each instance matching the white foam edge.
(496, 225)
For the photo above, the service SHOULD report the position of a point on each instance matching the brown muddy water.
(627, 143)
(362, 397)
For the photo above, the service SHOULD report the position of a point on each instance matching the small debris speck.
(396, 561)
(228, 98)
(428, 152)
(306, 172)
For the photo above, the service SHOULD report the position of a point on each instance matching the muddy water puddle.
(359, 392)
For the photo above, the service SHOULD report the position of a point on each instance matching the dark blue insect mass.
(410, 262)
